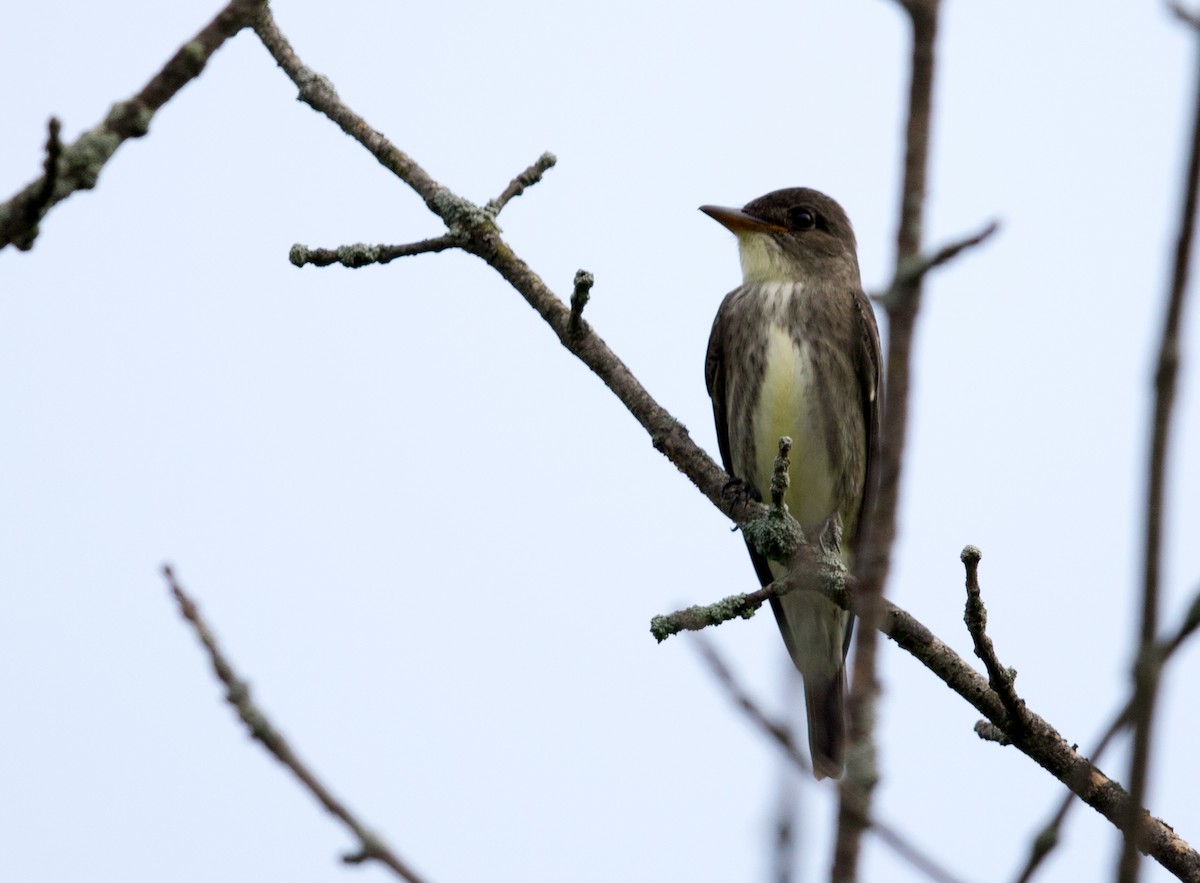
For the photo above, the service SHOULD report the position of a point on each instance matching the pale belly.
(788, 405)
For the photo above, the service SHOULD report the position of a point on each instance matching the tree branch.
(873, 546)
(1145, 670)
(78, 166)
(523, 181)
(237, 694)
(1000, 679)
(915, 269)
(1038, 740)
(360, 255)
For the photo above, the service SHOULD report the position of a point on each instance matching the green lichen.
(84, 159)
(358, 255)
(775, 534)
(196, 53)
(696, 618)
(458, 212)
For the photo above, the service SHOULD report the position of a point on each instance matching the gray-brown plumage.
(795, 351)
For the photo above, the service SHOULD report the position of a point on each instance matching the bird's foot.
(830, 536)
(740, 492)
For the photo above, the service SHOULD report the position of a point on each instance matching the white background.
(433, 541)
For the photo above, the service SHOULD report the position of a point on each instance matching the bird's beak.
(738, 221)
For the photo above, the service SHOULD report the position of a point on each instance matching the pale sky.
(433, 541)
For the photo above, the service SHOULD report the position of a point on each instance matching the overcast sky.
(433, 541)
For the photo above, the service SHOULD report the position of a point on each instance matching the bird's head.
(789, 235)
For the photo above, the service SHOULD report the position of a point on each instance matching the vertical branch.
(873, 552)
(1146, 664)
(788, 807)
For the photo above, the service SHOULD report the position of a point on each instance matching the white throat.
(763, 260)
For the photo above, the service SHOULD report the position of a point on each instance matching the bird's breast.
(789, 403)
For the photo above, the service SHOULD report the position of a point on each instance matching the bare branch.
(1037, 739)
(361, 255)
(519, 184)
(78, 166)
(782, 737)
(915, 269)
(1045, 745)
(1000, 678)
(873, 545)
(318, 93)
(1145, 669)
(237, 694)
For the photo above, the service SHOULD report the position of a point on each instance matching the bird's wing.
(870, 377)
(714, 378)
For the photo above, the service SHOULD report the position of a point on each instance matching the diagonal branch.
(1038, 740)
(371, 847)
(482, 238)
(78, 166)
(318, 93)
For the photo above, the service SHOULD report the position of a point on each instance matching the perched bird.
(794, 351)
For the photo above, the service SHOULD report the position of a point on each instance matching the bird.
(794, 351)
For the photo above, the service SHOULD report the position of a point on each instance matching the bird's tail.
(825, 699)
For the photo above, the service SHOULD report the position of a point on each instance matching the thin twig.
(519, 184)
(579, 299)
(915, 269)
(361, 255)
(782, 737)
(237, 694)
(1146, 671)
(78, 166)
(36, 208)
(318, 93)
(818, 571)
(1000, 678)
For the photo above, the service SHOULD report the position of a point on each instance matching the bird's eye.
(801, 218)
